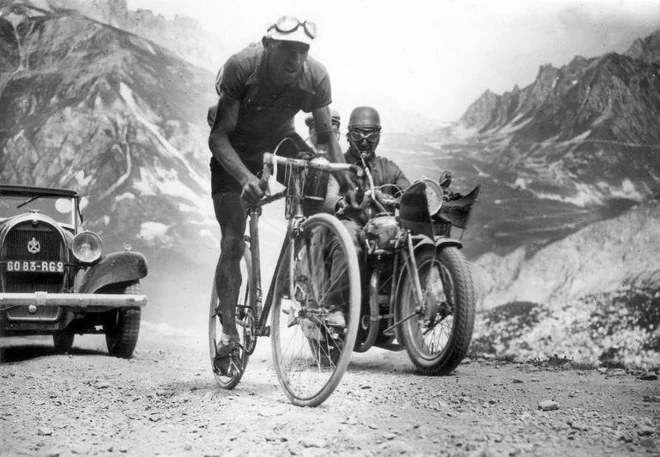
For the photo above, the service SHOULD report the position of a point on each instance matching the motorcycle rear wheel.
(311, 354)
(245, 322)
(438, 337)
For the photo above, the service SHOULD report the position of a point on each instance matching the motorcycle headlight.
(87, 247)
(434, 196)
(382, 230)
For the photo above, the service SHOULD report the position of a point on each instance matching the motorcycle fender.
(441, 243)
(114, 268)
(438, 243)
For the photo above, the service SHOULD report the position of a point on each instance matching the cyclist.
(363, 136)
(311, 125)
(260, 88)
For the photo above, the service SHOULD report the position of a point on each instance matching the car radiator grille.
(52, 247)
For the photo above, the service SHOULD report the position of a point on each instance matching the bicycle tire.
(245, 320)
(437, 341)
(309, 372)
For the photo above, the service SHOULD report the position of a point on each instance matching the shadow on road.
(24, 352)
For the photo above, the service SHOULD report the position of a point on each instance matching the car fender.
(114, 268)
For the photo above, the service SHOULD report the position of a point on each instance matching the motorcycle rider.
(364, 129)
(260, 88)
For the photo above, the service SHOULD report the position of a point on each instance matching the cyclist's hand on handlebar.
(253, 190)
(305, 155)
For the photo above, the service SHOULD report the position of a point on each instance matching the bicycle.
(310, 351)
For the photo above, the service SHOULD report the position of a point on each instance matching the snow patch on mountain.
(151, 230)
(171, 151)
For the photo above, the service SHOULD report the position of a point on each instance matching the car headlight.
(87, 247)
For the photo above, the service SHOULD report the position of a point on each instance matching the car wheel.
(63, 341)
(122, 326)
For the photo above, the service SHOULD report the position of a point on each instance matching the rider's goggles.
(289, 24)
(357, 136)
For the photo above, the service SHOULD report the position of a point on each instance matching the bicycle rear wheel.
(245, 321)
(311, 346)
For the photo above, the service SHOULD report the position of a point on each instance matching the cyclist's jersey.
(266, 116)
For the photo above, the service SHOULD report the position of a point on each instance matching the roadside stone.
(44, 431)
(396, 447)
(313, 443)
(648, 377)
(651, 398)
(648, 443)
(625, 437)
(646, 431)
(518, 381)
(548, 405)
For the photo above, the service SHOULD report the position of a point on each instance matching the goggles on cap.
(357, 136)
(289, 24)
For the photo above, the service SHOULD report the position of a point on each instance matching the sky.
(433, 57)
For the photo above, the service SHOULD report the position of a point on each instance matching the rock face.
(87, 106)
(601, 258)
(588, 130)
(182, 35)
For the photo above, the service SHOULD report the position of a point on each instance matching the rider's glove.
(340, 205)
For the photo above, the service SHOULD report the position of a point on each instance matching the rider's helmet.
(364, 131)
(289, 28)
(335, 118)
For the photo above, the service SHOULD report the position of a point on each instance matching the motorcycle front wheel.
(437, 334)
(312, 344)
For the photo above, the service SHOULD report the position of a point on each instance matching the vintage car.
(55, 279)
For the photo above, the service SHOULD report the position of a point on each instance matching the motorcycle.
(418, 289)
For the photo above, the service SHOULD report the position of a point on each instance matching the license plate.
(35, 266)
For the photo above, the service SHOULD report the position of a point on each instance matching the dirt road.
(164, 402)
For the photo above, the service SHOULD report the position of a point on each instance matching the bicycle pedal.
(266, 331)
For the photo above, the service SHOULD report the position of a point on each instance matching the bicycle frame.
(297, 217)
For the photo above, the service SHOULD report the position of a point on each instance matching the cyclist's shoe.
(336, 318)
(227, 357)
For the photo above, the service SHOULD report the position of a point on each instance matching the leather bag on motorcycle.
(422, 205)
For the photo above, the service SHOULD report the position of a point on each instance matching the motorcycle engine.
(381, 231)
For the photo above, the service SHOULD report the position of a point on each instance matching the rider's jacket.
(383, 170)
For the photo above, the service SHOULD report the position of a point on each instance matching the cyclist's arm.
(221, 148)
(332, 196)
(326, 139)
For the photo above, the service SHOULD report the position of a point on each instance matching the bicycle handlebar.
(301, 163)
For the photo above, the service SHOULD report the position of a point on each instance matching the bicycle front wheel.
(316, 308)
(245, 322)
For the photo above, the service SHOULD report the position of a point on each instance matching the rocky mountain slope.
(572, 173)
(182, 35)
(120, 119)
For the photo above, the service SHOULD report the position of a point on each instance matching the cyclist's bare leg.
(230, 213)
